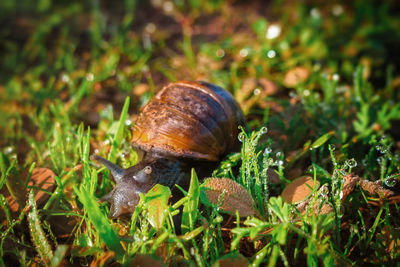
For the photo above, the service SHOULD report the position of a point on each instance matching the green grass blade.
(190, 207)
(100, 222)
(119, 134)
(37, 234)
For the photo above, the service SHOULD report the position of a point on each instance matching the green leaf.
(279, 208)
(156, 202)
(189, 214)
(100, 222)
(280, 233)
(322, 140)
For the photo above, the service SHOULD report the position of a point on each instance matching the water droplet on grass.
(220, 52)
(352, 163)
(381, 148)
(273, 31)
(244, 52)
(257, 91)
(264, 130)
(241, 137)
(271, 54)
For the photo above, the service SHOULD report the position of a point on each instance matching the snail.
(185, 124)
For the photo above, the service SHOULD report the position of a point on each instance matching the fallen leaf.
(41, 180)
(296, 76)
(235, 196)
(375, 188)
(140, 89)
(299, 189)
(350, 182)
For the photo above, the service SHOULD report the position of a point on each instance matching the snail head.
(130, 182)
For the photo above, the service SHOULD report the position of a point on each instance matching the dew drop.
(220, 52)
(278, 154)
(257, 91)
(381, 148)
(241, 137)
(168, 6)
(65, 78)
(271, 54)
(315, 13)
(244, 52)
(336, 77)
(267, 151)
(264, 130)
(273, 31)
(337, 10)
(8, 150)
(352, 163)
(90, 77)
(391, 182)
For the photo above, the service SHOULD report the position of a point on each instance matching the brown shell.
(195, 120)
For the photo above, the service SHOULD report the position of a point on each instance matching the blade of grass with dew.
(189, 214)
(37, 234)
(100, 222)
(119, 134)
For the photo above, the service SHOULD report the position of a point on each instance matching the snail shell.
(195, 120)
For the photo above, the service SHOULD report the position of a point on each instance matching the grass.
(319, 85)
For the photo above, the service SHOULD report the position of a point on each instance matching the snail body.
(185, 123)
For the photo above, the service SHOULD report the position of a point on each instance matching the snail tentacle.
(115, 170)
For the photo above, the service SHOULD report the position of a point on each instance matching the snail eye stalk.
(143, 175)
(148, 170)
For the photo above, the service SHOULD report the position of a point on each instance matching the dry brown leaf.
(296, 76)
(140, 89)
(41, 179)
(299, 189)
(235, 196)
(350, 182)
(270, 88)
(375, 188)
